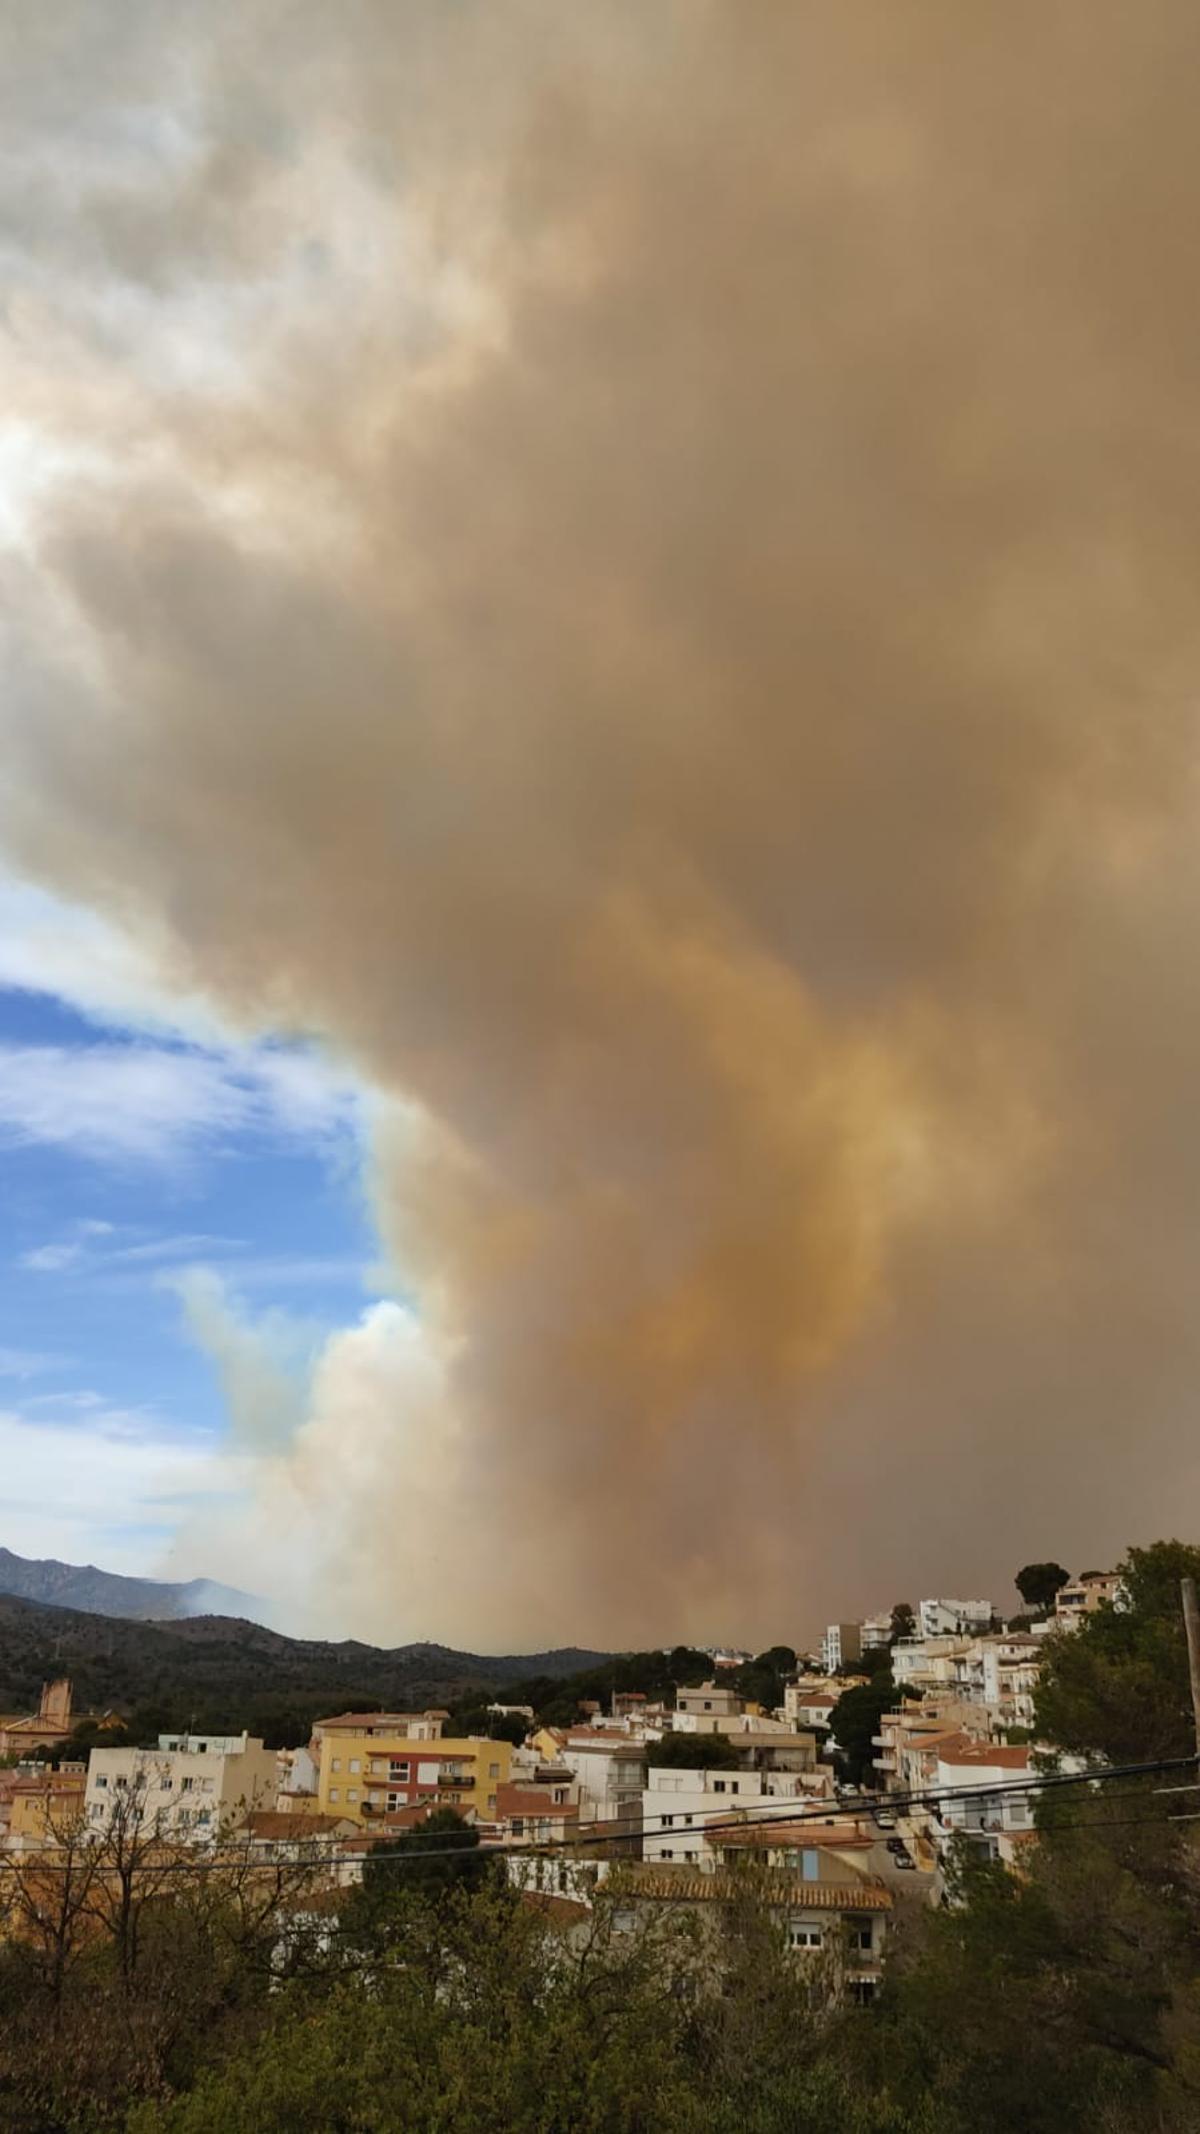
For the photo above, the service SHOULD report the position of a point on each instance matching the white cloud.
(154, 1103)
(51, 1259)
(61, 950)
(27, 1363)
(109, 1489)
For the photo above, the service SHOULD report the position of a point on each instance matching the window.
(707, 1705)
(352, 1793)
(518, 1826)
(334, 1795)
(862, 1991)
(493, 1770)
(398, 1771)
(862, 1935)
(733, 1785)
(718, 1785)
(355, 1766)
(186, 1784)
(668, 1822)
(336, 1765)
(667, 1854)
(688, 1820)
(492, 1802)
(801, 1936)
(101, 1785)
(689, 1856)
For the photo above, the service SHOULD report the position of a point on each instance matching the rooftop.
(688, 1885)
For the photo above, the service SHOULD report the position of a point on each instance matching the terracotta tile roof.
(592, 1737)
(564, 1911)
(691, 1885)
(769, 1835)
(294, 1824)
(531, 1800)
(395, 1722)
(984, 1752)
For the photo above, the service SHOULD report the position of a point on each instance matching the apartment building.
(43, 1805)
(826, 1907)
(841, 1646)
(677, 1805)
(704, 1707)
(875, 1632)
(374, 1765)
(953, 1618)
(1009, 1667)
(191, 1787)
(610, 1771)
(1085, 1594)
(996, 1821)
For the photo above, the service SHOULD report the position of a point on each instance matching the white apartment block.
(875, 1632)
(676, 1805)
(841, 1644)
(954, 1618)
(191, 1787)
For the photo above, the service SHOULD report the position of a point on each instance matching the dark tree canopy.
(692, 1752)
(1037, 1584)
(1117, 1685)
(904, 1621)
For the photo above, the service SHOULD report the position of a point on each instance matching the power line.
(315, 1852)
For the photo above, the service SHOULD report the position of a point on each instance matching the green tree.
(854, 1722)
(1117, 1685)
(1037, 1584)
(692, 1752)
(437, 1857)
(904, 1621)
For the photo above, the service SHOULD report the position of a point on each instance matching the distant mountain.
(71, 1585)
(220, 1673)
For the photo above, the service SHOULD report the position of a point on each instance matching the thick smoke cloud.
(633, 572)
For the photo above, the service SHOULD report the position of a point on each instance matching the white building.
(191, 1787)
(953, 1618)
(840, 1646)
(676, 1805)
(875, 1632)
(1010, 1667)
(611, 1772)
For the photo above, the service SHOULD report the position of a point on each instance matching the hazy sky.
(600, 802)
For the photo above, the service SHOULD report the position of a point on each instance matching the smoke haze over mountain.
(632, 572)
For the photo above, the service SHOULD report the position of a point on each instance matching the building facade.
(371, 1769)
(191, 1788)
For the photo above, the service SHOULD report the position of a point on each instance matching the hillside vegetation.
(219, 1673)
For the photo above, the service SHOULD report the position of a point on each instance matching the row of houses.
(845, 1643)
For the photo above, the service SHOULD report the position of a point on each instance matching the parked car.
(905, 1859)
(885, 1819)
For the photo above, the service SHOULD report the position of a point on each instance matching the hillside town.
(665, 1799)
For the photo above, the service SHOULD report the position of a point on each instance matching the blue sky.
(132, 1156)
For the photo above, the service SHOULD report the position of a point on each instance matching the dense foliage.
(217, 1674)
(1038, 1583)
(1118, 1686)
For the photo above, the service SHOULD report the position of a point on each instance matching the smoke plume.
(632, 572)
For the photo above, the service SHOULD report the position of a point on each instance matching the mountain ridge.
(50, 1582)
(223, 1673)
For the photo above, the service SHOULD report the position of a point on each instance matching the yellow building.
(45, 1805)
(376, 1764)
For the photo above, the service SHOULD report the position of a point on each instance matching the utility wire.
(317, 1852)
